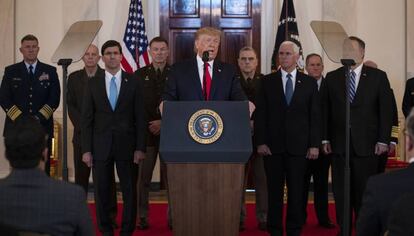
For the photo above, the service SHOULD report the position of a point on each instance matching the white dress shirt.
(284, 79)
(200, 66)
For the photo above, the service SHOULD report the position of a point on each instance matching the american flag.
(287, 30)
(135, 42)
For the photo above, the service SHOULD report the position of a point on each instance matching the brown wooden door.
(239, 21)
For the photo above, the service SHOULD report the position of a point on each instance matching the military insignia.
(17, 79)
(44, 76)
(205, 126)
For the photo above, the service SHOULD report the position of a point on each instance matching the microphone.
(205, 56)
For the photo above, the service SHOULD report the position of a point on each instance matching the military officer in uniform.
(249, 78)
(153, 79)
(30, 88)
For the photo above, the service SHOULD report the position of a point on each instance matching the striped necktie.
(352, 86)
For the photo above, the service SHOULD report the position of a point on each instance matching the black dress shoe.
(262, 226)
(327, 224)
(241, 227)
(143, 223)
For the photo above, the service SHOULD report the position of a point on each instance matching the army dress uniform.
(30, 90)
(249, 86)
(153, 81)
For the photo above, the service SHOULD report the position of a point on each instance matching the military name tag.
(205, 126)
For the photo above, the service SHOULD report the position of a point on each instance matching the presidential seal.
(205, 126)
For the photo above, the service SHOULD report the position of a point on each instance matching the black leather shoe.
(143, 223)
(262, 226)
(328, 224)
(241, 227)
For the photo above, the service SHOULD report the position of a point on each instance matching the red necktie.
(206, 82)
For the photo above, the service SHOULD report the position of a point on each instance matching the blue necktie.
(31, 73)
(352, 87)
(289, 89)
(113, 93)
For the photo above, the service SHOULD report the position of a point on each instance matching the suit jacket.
(183, 83)
(32, 201)
(400, 221)
(371, 111)
(76, 87)
(294, 128)
(408, 99)
(122, 130)
(380, 194)
(38, 97)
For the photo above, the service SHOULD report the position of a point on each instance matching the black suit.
(400, 221)
(381, 193)
(113, 136)
(289, 131)
(319, 170)
(76, 86)
(408, 100)
(371, 114)
(183, 83)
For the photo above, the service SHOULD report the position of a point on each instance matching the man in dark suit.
(113, 131)
(287, 129)
(318, 169)
(30, 88)
(249, 79)
(370, 124)
(29, 199)
(76, 86)
(382, 191)
(153, 79)
(408, 99)
(383, 158)
(185, 81)
(400, 221)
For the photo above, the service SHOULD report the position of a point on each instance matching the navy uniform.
(249, 86)
(153, 81)
(34, 94)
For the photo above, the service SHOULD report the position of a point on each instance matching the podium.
(205, 146)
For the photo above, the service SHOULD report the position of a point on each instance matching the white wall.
(381, 23)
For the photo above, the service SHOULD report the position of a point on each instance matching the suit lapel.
(102, 90)
(298, 87)
(362, 86)
(278, 83)
(195, 79)
(216, 78)
(123, 89)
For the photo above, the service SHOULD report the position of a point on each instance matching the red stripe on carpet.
(158, 222)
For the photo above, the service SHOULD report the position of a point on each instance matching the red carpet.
(158, 222)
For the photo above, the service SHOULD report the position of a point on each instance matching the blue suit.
(183, 83)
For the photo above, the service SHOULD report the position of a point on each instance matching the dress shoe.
(241, 227)
(143, 223)
(328, 224)
(262, 226)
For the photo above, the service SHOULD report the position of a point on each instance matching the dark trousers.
(127, 172)
(319, 170)
(82, 172)
(362, 167)
(278, 168)
(382, 162)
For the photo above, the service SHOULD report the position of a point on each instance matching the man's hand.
(87, 158)
(155, 127)
(392, 148)
(380, 148)
(326, 148)
(263, 150)
(252, 107)
(313, 153)
(138, 156)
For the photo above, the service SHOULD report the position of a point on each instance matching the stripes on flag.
(287, 30)
(135, 41)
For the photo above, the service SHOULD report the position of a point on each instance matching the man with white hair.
(287, 128)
